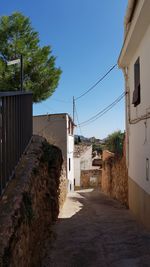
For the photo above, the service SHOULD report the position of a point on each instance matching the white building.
(58, 129)
(82, 161)
(135, 62)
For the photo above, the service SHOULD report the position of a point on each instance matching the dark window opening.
(69, 164)
(137, 88)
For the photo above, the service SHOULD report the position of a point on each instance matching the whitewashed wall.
(139, 133)
(70, 150)
(86, 159)
(83, 162)
(77, 171)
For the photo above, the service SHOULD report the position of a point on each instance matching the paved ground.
(94, 230)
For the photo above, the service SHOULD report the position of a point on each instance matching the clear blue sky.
(86, 37)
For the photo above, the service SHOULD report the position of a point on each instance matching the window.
(69, 164)
(137, 88)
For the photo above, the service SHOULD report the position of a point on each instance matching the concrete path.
(94, 230)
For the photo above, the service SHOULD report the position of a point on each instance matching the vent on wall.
(147, 169)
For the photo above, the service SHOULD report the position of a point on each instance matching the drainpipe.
(127, 112)
(129, 14)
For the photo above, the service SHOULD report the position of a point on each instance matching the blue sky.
(86, 37)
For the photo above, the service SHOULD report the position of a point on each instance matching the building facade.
(58, 129)
(134, 60)
(82, 161)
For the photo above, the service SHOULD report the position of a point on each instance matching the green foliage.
(77, 140)
(98, 148)
(40, 74)
(114, 142)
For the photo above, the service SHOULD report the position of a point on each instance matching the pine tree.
(17, 37)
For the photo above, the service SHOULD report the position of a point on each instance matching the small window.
(69, 164)
(137, 87)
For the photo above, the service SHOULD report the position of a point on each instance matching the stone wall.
(115, 177)
(31, 204)
(90, 178)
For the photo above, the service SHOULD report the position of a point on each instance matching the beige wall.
(54, 129)
(58, 130)
(139, 203)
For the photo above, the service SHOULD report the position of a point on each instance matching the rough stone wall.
(30, 205)
(106, 172)
(62, 187)
(91, 178)
(115, 177)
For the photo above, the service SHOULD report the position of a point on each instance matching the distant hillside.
(91, 140)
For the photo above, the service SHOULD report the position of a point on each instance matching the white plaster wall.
(77, 171)
(139, 133)
(70, 150)
(84, 162)
(86, 159)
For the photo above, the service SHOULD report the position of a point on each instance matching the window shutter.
(137, 88)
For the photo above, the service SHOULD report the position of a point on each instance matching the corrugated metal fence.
(15, 131)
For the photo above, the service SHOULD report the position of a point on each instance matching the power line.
(93, 86)
(102, 112)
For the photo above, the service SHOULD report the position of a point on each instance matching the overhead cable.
(94, 85)
(102, 112)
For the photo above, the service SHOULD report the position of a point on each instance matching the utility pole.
(21, 72)
(73, 107)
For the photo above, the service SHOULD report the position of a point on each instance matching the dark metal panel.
(3, 142)
(15, 131)
(13, 93)
(1, 146)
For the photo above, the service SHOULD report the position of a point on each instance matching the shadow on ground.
(94, 230)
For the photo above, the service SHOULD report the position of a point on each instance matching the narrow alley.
(94, 230)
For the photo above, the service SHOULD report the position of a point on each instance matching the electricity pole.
(73, 108)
